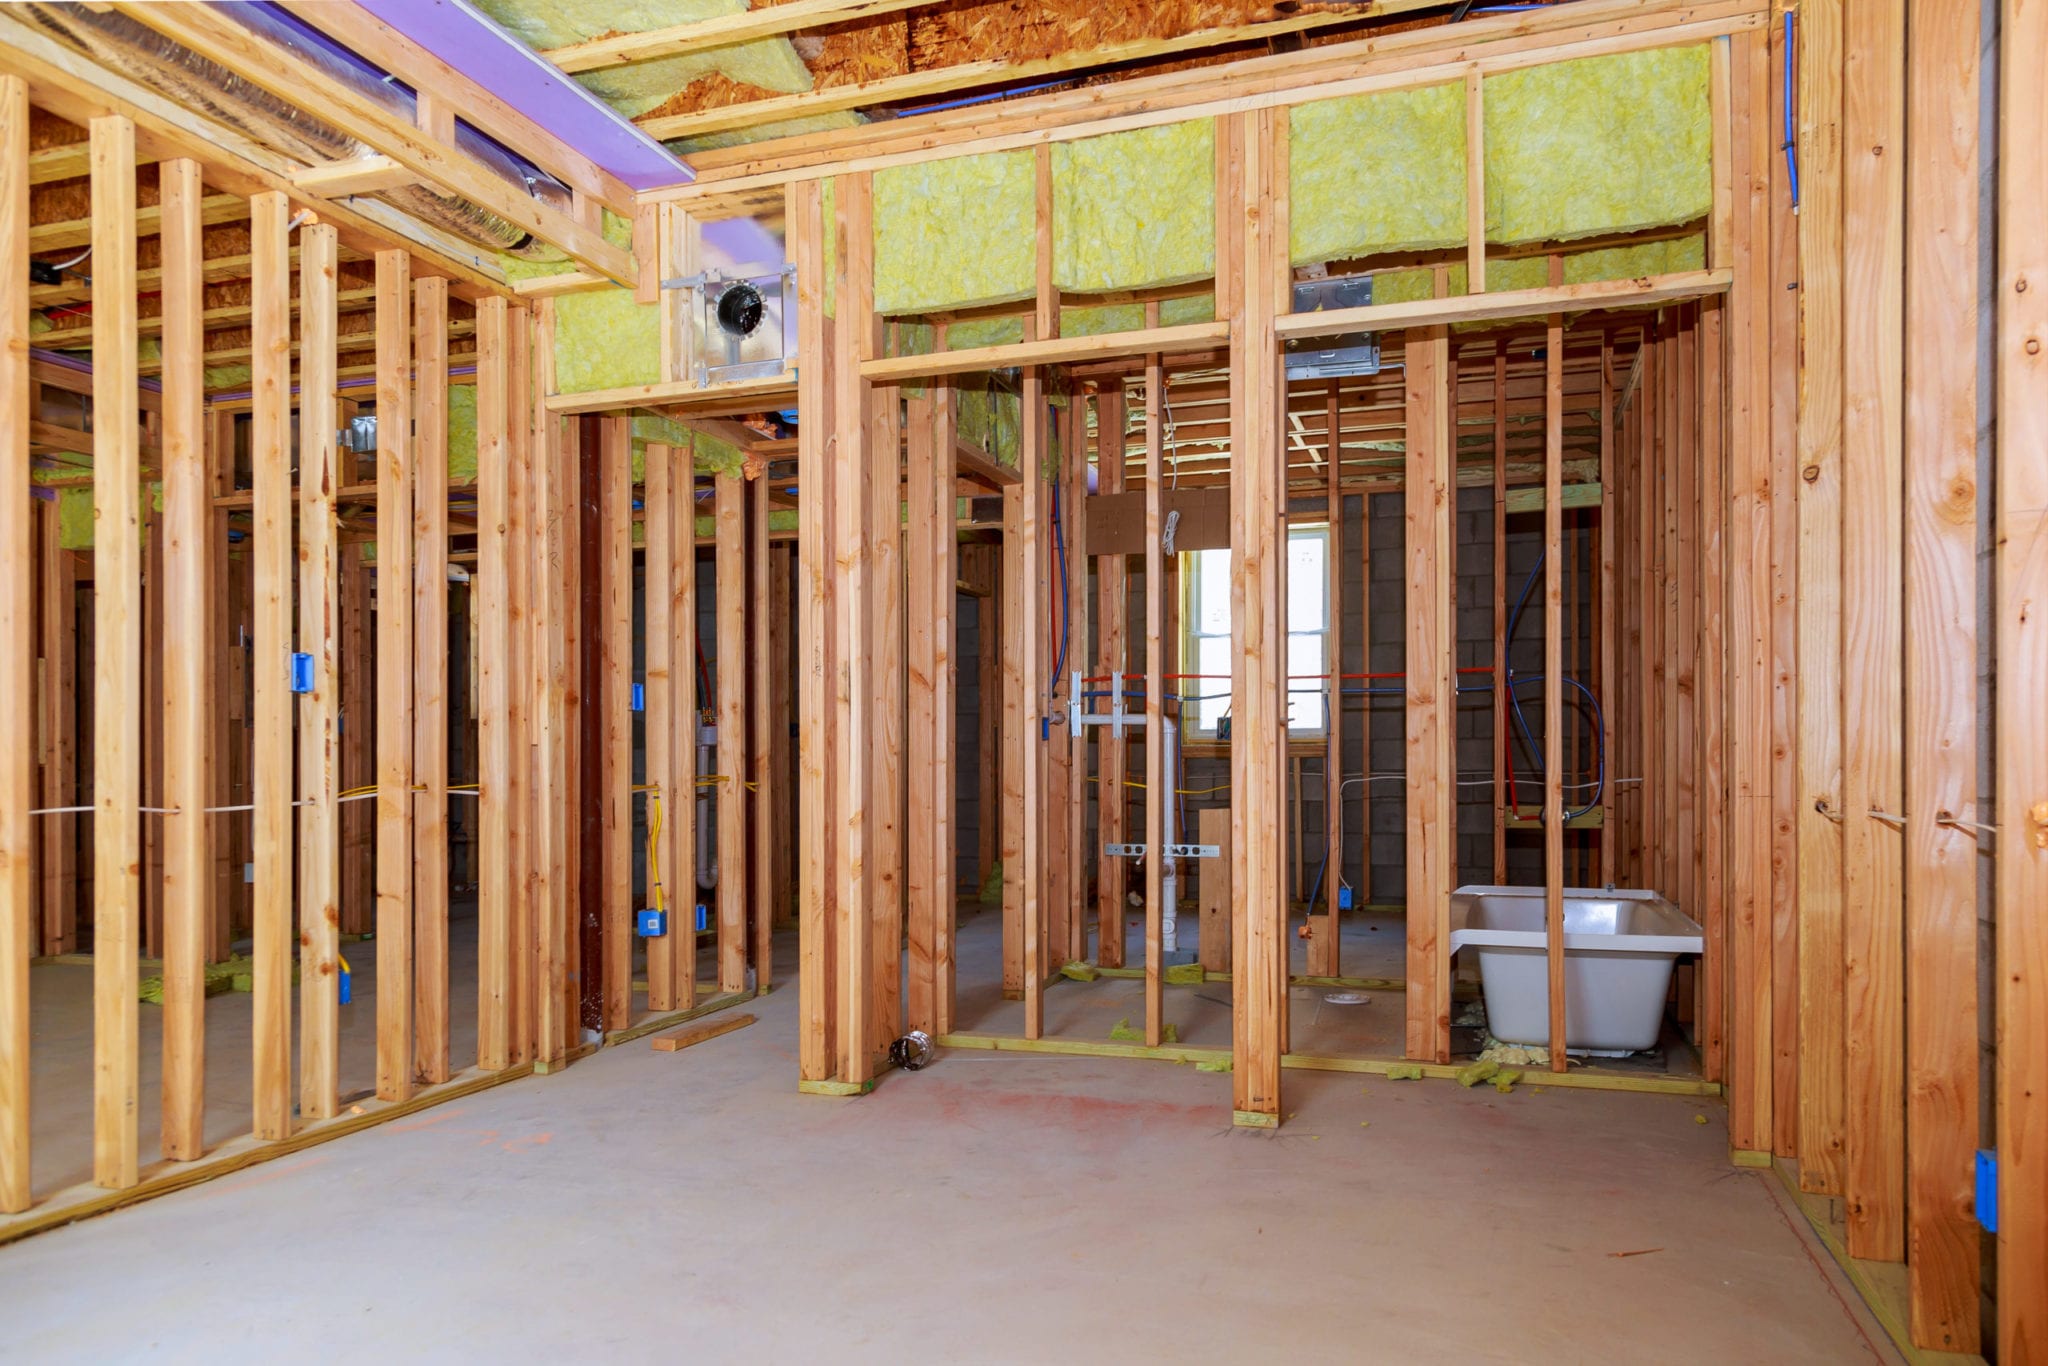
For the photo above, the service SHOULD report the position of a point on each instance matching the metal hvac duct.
(141, 53)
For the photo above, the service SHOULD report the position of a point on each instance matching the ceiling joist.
(435, 160)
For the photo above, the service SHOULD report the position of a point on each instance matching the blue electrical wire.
(1791, 147)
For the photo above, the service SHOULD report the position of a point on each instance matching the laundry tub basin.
(1619, 949)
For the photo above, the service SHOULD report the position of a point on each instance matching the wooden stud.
(731, 531)
(270, 737)
(1553, 676)
(358, 734)
(519, 716)
(921, 733)
(666, 793)
(187, 546)
(1498, 663)
(945, 551)
(1819, 797)
(1112, 657)
(1475, 185)
(1325, 947)
(554, 556)
(2022, 662)
(1782, 495)
(319, 710)
(1258, 746)
(117, 658)
(782, 710)
(615, 710)
(1873, 700)
(1027, 631)
(1712, 679)
(1941, 513)
(1604, 615)
(1431, 700)
(430, 683)
(760, 755)
(816, 677)
(493, 664)
(883, 434)
(58, 627)
(1683, 642)
(1748, 548)
(1156, 776)
(685, 714)
(1075, 628)
(17, 654)
(394, 676)
(851, 594)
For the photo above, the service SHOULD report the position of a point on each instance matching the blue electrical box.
(639, 697)
(703, 918)
(1343, 898)
(1987, 1190)
(345, 974)
(653, 924)
(302, 672)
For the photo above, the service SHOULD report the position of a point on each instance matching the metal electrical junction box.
(1356, 353)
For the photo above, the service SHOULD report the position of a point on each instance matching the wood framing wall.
(1810, 589)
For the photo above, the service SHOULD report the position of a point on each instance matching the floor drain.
(1347, 998)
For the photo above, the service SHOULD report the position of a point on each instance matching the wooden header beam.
(1052, 351)
(1646, 291)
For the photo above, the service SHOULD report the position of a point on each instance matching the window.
(1205, 613)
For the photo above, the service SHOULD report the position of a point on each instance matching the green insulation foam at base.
(925, 213)
(1600, 144)
(1135, 210)
(1471, 1075)
(1079, 972)
(1405, 1071)
(1379, 172)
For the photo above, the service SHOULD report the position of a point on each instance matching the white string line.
(222, 810)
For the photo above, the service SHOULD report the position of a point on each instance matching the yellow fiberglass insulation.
(1093, 320)
(1533, 272)
(770, 63)
(1135, 210)
(605, 341)
(1373, 173)
(1601, 144)
(461, 433)
(955, 234)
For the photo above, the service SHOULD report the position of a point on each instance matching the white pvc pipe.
(1169, 869)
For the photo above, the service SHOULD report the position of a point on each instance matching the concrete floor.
(650, 1206)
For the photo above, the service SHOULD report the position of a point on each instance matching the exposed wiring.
(1791, 147)
(73, 262)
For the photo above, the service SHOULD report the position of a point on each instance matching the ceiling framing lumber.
(75, 88)
(434, 160)
(703, 35)
(373, 39)
(917, 85)
(1397, 61)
